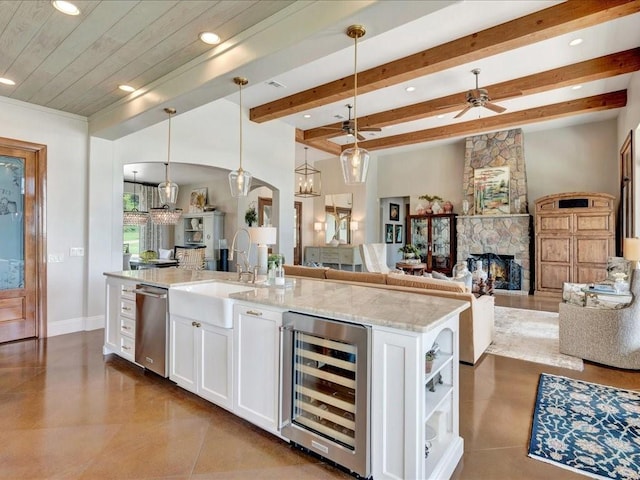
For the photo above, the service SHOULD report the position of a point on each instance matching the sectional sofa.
(476, 322)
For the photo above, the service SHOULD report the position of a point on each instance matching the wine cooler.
(325, 398)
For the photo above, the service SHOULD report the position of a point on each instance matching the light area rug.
(587, 428)
(530, 335)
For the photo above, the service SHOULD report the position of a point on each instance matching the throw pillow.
(165, 254)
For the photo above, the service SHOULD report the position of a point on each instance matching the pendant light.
(240, 180)
(309, 183)
(168, 190)
(135, 216)
(167, 214)
(355, 160)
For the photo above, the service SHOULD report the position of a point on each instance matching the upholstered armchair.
(607, 336)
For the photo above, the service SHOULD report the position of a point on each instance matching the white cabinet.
(415, 417)
(201, 229)
(120, 318)
(257, 368)
(201, 356)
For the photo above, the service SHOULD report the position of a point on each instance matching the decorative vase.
(194, 223)
(436, 208)
(479, 275)
(462, 274)
(447, 207)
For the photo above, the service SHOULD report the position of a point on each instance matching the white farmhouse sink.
(205, 302)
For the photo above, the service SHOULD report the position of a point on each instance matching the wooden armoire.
(575, 234)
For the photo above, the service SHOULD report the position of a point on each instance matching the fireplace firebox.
(502, 269)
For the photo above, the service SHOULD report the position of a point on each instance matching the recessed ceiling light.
(6, 81)
(576, 87)
(126, 88)
(67, 8)
(210, 38)
(575, 41)
(410, 89)
(306, 115)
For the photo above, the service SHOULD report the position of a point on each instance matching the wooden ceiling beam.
(595, 103)
(590, 70)
(548, 23)
(320, 144)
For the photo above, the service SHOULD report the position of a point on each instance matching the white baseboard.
(73, 325)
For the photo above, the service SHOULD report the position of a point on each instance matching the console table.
(341, 255)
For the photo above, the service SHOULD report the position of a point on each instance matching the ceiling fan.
(479, 98)
(348, 126)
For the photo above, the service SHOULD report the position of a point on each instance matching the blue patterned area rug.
(587, 428)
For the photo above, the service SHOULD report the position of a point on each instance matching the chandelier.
(309, 183)
(135, 216)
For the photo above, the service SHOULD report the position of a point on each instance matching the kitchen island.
(412, 417)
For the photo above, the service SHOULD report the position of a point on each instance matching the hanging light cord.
(169, 149)
(355, 91)
(240, 85)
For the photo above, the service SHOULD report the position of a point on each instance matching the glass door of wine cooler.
(325, 394)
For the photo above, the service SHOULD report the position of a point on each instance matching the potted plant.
(429, 357)
(409, 251)
(251, 216)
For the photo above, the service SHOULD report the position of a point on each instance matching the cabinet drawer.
(128, 291)
(330, 256)
(128, 308)
(128, 326)
(127, 346)
(346, 256)
(312, 255)
(555, 224)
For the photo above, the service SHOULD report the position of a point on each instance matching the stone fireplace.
(505, 236)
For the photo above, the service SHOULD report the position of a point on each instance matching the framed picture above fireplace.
(491, 190)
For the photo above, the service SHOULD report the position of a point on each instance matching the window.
(131, 233)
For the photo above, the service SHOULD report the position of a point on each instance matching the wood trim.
(504, 121)
(544, 24)
(595, 69)
(626, 210)
(40, 152)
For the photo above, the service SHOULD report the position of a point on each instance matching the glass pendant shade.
(134, 216)
(165, 215)
(239, 182)
(168, 192)
(355, 163)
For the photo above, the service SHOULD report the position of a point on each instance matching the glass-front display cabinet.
(435, 237)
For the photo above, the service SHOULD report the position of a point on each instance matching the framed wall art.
(388, 233)
(394, 212)
(198, 200)
(491, 190)
(397, 234)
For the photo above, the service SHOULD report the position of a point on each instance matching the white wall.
(66, 138)
(209, 135)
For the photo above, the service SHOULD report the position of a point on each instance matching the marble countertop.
(343, 301)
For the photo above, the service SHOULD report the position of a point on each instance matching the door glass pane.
(12, 222)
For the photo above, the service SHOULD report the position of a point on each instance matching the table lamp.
(263, 236)
(631, 249)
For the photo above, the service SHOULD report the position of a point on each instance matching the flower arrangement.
(431, 198)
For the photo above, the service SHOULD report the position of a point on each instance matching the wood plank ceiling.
(553, 21)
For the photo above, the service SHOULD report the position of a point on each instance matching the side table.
(412, 268)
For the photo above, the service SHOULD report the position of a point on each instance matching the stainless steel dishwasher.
(152, 327)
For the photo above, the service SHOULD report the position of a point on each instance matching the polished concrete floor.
(67, 412)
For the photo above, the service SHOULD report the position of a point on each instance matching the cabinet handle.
(254, 313)
(195, 324)
(126, 309)
(124, 347)
(124, 327)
